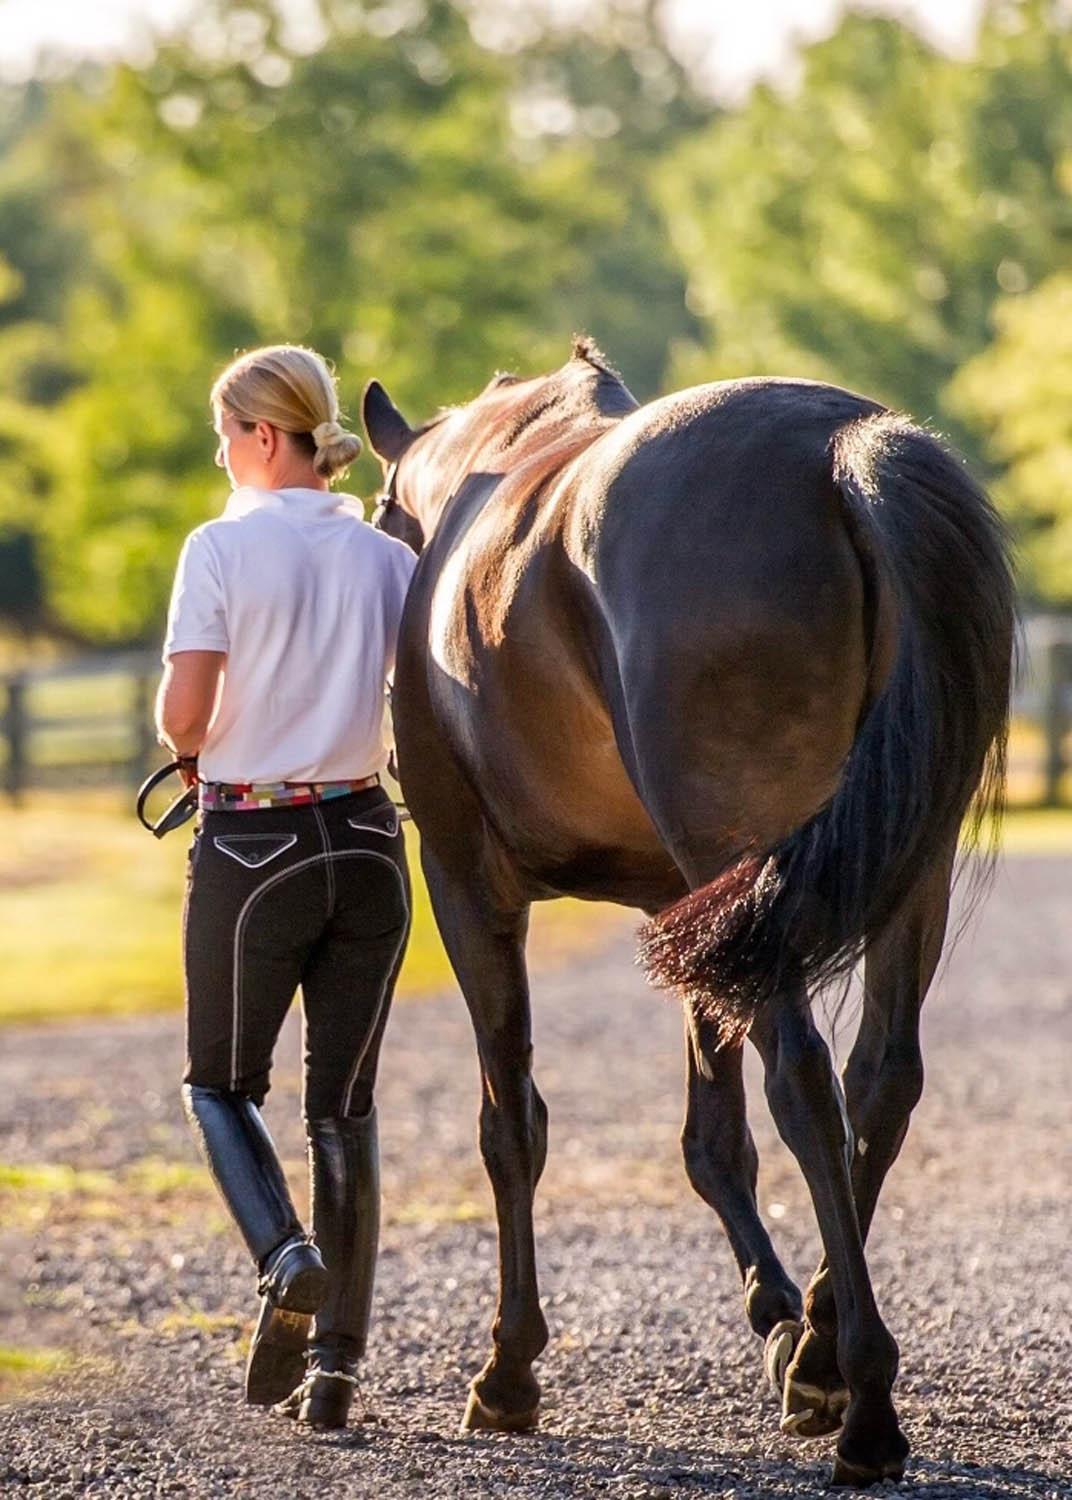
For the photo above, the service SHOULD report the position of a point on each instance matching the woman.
(281, 637)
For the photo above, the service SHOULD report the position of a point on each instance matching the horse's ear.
(388, 431)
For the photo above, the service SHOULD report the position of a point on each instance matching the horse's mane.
(586, 348)
(608, 394)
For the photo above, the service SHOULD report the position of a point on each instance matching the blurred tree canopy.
(428, 190)
(1019, 391)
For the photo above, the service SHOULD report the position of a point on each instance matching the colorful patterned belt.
(245, 796)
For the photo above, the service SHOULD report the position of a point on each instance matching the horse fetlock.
(820, 1309)
(869, 1360)
(770, 1300)
(516, 1339)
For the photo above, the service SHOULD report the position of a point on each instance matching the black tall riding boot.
(242, 1159)
(344, 1170)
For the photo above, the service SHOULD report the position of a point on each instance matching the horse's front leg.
(485, 944)
(805, 1101)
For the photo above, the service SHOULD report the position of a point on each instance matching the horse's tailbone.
(933, 741)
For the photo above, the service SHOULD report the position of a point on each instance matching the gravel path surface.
(652, 1382)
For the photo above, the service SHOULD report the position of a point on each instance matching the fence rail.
(1046, 694)
(83, 722)
(88, 722)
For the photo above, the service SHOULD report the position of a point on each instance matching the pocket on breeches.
(383, 820)
(254, 850)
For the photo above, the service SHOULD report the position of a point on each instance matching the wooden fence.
(1045, 695)
(89, 722)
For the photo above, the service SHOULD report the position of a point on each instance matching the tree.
(860, 227)
(366, 190)
(1018, 394)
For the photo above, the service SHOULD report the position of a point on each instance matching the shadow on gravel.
(616, 1466)
(641, 1471)
(547, 1467)
(930, 1480)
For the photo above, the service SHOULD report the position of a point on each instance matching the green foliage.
(365, 191)
(860, 228)
(1019, 392)
(426, 196)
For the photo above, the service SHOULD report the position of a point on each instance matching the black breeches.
(316, 896)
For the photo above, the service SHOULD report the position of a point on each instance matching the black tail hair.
(931, 749)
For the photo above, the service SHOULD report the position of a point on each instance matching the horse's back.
(738, 471)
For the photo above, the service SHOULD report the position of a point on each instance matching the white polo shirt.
(305, 598)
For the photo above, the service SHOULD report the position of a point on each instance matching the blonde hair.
(291, 388)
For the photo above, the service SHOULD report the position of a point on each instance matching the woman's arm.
(186, 700)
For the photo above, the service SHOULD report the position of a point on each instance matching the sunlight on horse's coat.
(448, 645)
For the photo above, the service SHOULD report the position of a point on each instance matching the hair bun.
(335, 449)
(326, 433)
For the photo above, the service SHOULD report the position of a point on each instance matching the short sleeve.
(197, 617)
(402, 562)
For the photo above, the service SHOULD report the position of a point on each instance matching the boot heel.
(327, 1399)
(295, 1277)
(305, 1290)
(276, 1361)
(293, 1285)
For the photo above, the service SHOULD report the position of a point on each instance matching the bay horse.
(738, 658)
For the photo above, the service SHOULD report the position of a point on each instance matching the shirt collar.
(307, 502)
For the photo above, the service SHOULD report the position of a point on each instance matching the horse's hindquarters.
(742, 649)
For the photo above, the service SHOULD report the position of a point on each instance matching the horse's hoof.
(810, 1412)
(848, 1475)
(778, 1352)
(872, 1448)
(814, 1394)
(481, 1418)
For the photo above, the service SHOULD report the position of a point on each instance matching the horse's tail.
(933, 547)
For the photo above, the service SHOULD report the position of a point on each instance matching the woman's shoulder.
(240, 504)
(387, 548)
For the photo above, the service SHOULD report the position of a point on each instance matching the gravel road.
(652, 1382)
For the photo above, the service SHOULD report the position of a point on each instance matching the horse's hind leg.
(883, 1082)
(721, 1161)
(485, 943)
(805, 1101)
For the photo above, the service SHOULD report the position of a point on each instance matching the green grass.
(92, 914)
(17, 1360)
(92, 910)
(151, 1192)
(51, 1179)
(176, 1323)
(23, 1369)
(1037, 830)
